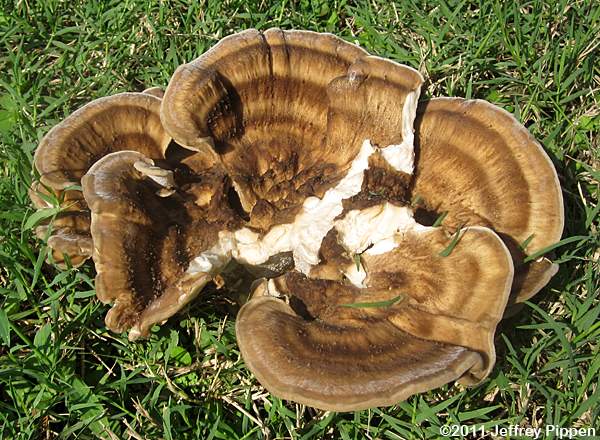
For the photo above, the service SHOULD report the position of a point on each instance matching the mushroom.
(424, 320)
(260, 101)
(298, 164)
(286, 111)
(144, 242)
(126, 121)
(295, 118)
(478, 164)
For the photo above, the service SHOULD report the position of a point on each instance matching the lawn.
(62, 374)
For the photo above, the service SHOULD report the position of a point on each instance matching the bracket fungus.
(302, 156)
(421, 321)
(482, 167)
(126, 121)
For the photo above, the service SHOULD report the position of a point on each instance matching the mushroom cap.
(69, 234)
(325, 350)
(481, 166)
(126, 121)
(144, 242)
(286, 112)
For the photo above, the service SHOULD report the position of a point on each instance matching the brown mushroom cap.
(144, 241)
(126, 121)
(68, 236)
(319, 351)
(286, 112)
(478, 163)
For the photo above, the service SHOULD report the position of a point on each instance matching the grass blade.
(440, 219)
(382, 304)
(455, 239)
(536, 255)
(526, 242)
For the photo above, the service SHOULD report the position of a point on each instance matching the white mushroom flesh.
(402, 156)
(359, 229)
(374, 231)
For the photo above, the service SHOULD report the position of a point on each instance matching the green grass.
(62, 374)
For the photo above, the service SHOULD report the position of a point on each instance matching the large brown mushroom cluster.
(391, 234)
